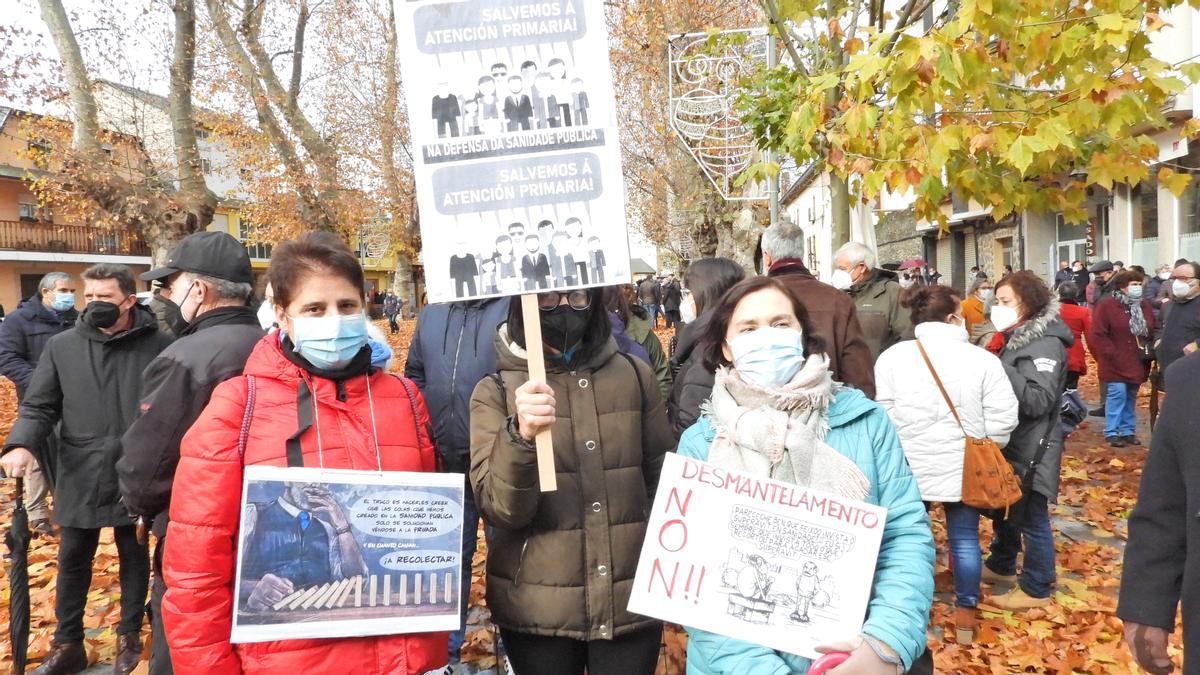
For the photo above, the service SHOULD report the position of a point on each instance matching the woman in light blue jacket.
(776, 412)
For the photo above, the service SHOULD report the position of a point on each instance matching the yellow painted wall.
(11, 271)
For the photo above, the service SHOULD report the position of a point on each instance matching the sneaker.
(987, 576)
(42, 528)
(1133, 440)
(1017, 600)
(1116, 441)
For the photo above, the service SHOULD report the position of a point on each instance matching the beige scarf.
(780, 433)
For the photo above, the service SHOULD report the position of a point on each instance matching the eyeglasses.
(578, 300)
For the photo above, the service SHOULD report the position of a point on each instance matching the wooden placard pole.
(530, 314)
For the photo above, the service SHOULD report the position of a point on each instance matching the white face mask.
(1180, 289)
(841, 280)
(984, 294)
(1004, 317)
(687, 309)
(1164, 275)
(266, 315)
(906, 283)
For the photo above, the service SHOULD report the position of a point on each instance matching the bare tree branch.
(85, 136)
(298, 56)
(194, 191)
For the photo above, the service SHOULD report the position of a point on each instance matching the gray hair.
(225, 289)
(51, 280)
(783, 240)
(857, 252)
(979, 281)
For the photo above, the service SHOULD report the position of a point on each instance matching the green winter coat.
(638, 329)
(884, 322)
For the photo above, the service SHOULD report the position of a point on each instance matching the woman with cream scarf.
(776, 412)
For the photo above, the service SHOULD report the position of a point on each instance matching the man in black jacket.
(209, 276)
(1180, 333)
(1162, 563)
(672, 296)
(89, 381)
(23, 337)
(452, 349)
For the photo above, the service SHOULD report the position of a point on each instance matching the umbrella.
(912, 262)
(17, 540)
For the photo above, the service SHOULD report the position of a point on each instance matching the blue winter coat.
(898, 611)
(24, 335)
(452, 349)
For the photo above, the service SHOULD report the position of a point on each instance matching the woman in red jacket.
(1120, 322)
(320, 358)
(1079, 319)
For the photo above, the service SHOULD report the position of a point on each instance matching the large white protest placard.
(755, 559)
(328, 553)
(514, 133)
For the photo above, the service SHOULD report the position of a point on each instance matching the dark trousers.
(470, 539)
(630, 654)
(1073, 381)
(76, 548)
(160, 654)
(392, 323)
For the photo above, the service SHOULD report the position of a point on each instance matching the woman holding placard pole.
(561, 564)
(776, 412)
(309, 397)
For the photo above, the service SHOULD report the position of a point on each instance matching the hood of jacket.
(1046, 323)
(143, 322)
(511, 356)
(638, 327)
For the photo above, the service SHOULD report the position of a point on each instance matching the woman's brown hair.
(718, 321)
(1122, 279)
(1034, 294)
(313, 253)
(931, 303)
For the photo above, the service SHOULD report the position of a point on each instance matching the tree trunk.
(839, 204)
(85, 134)
(739, 239)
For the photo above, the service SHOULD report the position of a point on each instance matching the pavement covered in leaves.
(1078, 633)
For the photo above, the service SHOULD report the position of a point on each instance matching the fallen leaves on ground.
(1078, 633)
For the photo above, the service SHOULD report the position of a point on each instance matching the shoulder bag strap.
(412, 402)
(247, 417)
(942, 389)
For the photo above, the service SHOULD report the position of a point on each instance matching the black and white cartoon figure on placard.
(517, 107)
(535, 269)
(529, 71)
(545, 233)
(578, 248)
(516, 232)
(499, 74)
(305, 518)
(545, 107)
(472, 120)
(579, 102)
(750, 583)
(445, 111)
(488, 276)
(489, 106)
(811, 591)
(596, 259)
(464, 271)
(562, 262)
(507, 279)
(562, 91)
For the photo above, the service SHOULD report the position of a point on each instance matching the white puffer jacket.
(976, 382)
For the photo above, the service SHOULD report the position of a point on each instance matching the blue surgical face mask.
(768, 357)
(329, 342)
(1134, 291)
(63, 301)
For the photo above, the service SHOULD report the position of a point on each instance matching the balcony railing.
(258, 251)
(30, 236)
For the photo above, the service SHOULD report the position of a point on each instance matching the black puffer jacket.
(23, 336)
(91, 383)
(176, 387)
(693, 382)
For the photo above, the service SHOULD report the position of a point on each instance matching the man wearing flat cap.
(211, 282)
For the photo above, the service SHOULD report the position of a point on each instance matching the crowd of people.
(868, 387)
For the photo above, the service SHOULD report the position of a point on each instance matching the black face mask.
(563, 328)
(101, 315)
(174, 316)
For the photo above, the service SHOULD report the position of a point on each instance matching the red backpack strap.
(247, 417)
(410, 390)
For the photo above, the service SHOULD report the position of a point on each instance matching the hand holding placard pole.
(547, 480)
